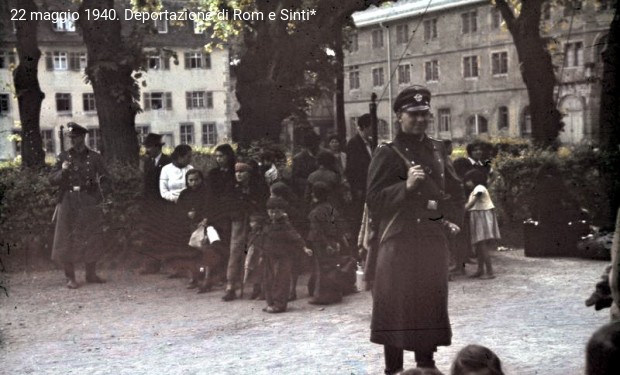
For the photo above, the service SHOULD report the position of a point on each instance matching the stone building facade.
(462, 51)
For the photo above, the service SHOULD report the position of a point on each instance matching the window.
(209, 134)
(4, 104)
(94, 139)
(88, 102)
(17, 141)
(63, 103)
(469, 22)
(377, 38)
(199, 99)
(161, 26)
(404, 73)
(496, 19)
(60, 60)
(187, 133)
(77, 61)
(354, 77)
(502, 118)
(431, 70)
(197, 60)
(499, 63)
(354, 43)
(526, 122)
(445, 120)
(430, 29)
(573, 54)
(402, 34)
(47, 140)
(64, 23)
(470, 66)
(477, 124)
(157, 62)
(157, 100)
(142, 131)
(7, 58)
(377, 77)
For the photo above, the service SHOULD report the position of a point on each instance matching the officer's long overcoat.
(410, 295)
(79, 218)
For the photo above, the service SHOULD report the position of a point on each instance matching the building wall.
(482, 95)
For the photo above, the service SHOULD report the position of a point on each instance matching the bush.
(513, 184)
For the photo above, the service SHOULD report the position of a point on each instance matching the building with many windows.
(462, 51)
(187, 97)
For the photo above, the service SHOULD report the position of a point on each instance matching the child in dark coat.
(280, 241)
(326, 231)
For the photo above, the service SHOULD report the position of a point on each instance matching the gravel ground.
(533, 316)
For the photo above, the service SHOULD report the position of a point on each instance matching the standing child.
(482, 222)
(254, 264)
(280, 242)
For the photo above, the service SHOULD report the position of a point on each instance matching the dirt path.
(532, 316)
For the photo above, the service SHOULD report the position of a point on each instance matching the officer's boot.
(70, 275)
(91, 274)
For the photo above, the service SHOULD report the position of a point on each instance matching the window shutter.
(166, 60)
(12, 59)
(168, 100)
(49, 61)
(74, 61)
(187, 66)
(188, 100)
(207, 61)
(147, 101)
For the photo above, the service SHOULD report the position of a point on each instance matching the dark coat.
(151, 177)
(280, 240)
(304, 163)
(357, 164)
(79, 219)
(410, 306)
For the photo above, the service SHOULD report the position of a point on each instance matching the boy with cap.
(79, 174)
(409, 186)
(279, 244)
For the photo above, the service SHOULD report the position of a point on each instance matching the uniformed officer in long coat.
(80, 174)
(408, 184)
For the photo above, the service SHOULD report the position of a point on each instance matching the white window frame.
(434, 65)
(430, 29)
(94, 138)
(445, 120)
(377, 39)
(89, 98)
(185, 136)
(65, 96)
(354, 77)
(61, 60)
(402, 33)
(47, 139)
(64, 24)
(469, 22)
(571, 53)
(161, 26)
(5, 104)
(354, 43)
(209, 133)
(404, 74)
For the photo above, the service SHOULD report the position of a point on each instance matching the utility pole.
(373, 119)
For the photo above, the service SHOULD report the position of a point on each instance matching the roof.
(406, 9)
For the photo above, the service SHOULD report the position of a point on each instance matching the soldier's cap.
(153, 140)
(76, 130)
(413, 99)
(277, 203)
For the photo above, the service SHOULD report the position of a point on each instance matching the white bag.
(202, 236)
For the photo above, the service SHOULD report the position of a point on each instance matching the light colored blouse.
(172, 181)
(483, 202)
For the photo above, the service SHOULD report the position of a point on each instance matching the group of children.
(273, 247)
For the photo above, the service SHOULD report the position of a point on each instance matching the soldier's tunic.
(79, 218)
(410, 295)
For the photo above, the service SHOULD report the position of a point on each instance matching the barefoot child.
(482, 222)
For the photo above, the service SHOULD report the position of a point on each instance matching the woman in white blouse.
(172, 178)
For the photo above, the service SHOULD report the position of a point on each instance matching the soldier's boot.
(91, 274)
(70, 275)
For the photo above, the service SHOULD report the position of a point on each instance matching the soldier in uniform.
(410, 182)
(79, 173)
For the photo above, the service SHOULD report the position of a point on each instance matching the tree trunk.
(111, 62)
(536, 70)
(29, 94)
(609, 123)
(341, 126)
